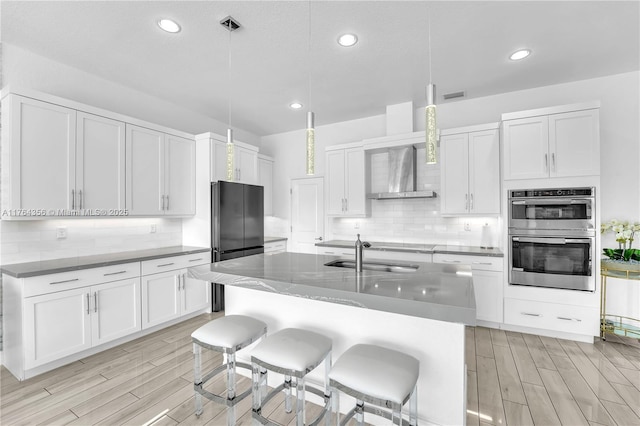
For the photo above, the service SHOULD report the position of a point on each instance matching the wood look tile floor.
(513, 379)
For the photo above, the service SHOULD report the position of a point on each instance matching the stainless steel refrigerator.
(237, 228)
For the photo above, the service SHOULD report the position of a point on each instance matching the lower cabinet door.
(487, 287)
(160, 298)
(56, 325)
(115, 310)
(195, 294)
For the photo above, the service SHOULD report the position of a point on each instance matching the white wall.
(22, 68)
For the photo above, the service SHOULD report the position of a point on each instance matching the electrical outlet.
(153, 229)
(467, 226)
(61, 233)
(357, 225)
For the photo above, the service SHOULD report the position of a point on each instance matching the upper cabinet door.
(484, 172)
(180, 174)
(454, 156)
(265, 178)
(145, 179)
(574, 143)
(335, 173)
(100, 163)
(355, 181)
(526, 148)
(218, 161)
(42, 154)
(247, 165)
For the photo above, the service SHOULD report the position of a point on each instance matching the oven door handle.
(550, 240)
(552, 201)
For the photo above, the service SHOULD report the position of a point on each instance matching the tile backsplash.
(28, 241)
(412, 220)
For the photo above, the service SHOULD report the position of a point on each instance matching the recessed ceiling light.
(520, 54)
(347, 40)
(169, 26)
(295, 105)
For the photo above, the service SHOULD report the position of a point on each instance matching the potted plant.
(624, 233)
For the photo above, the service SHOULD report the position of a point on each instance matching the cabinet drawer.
(337, 251)
(551, 316)
(404, 256)
(275, 247)
(51, 283)
(481, 263)
(175, 262)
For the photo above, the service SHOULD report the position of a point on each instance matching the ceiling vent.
(230, 23)
(454, 95)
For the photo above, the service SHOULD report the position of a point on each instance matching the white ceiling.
(271, 55)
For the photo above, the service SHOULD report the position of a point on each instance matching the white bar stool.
(379, 376)
(227, 334)
(292, 352)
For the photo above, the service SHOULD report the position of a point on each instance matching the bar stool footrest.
(198, 387)
(371, 410)
(264, 421)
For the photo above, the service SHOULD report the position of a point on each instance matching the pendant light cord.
(429, 40)
(230, 92)
(309, 56)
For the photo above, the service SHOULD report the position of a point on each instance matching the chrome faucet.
(359, 246)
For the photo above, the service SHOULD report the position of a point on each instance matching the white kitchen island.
(422, 313)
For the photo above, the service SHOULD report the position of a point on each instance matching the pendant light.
(430, 110)
(231, 25)
(311, 137)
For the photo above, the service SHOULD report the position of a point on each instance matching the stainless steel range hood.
(402, 176)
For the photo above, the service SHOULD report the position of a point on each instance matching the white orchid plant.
(624, 233)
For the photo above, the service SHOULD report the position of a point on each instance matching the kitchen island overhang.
(422, 313)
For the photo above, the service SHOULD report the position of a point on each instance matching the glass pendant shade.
(311, 155)
(230, 150)
(430, 133)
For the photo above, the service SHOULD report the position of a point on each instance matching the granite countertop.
(274, 239)
(418, 248)
(44, 267)
(435, 291)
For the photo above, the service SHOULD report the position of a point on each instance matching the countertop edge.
(185, 250)
(274, 239)
(463, 250)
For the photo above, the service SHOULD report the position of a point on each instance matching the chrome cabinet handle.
(346, 204)
(195, 260)
(80, 197)
(165, 264)
(95, 302)
(530, 314)
(466, 201)
(73, 199)
(481, 263)
(553, 161)
(114, 273)
(569, 319)
(65, 281)
(88, 312)
(546, 163)
(184, 281)
(167, 197)
(450, 261)
(471, 205)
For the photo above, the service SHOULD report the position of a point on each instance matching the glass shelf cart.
(610, 323)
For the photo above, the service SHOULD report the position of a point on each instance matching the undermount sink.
(373, 266)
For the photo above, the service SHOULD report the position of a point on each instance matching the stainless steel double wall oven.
(552, 238)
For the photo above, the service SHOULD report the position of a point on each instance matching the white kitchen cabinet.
(245, 162)
(337, 251)
(66, 322)
(55, 325)
(167, 292)
(275, 247)
(470, 170)
(160, 173)
(574, 319)
(552, 143)
(346, 182)
(393, 256)
(488, 273)
(265, 178)
(39, 155)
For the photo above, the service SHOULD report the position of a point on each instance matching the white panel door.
(484, 172)
(100, 162)
(56, 325)
(335, 173)
(526, 148)
(574, 143)
(115, 310)
(145, 163)
(454, 156)
(180, 176)
(194, 294)
(160, 298)
(307, 214)
(43, 154)
(355, 181)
